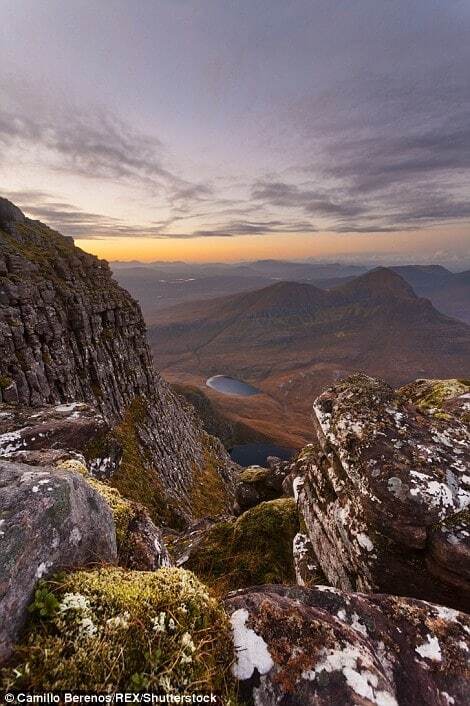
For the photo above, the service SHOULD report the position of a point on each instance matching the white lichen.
(251, 650)
(430, 649)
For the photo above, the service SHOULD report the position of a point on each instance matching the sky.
(240, 129)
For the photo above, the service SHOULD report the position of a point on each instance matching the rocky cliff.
(385, 493)
(69, 333)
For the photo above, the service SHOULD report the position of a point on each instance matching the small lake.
(256, 454)
(231, 386)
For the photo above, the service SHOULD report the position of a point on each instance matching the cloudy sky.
(231, 129)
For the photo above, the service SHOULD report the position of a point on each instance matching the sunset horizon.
(205, 131)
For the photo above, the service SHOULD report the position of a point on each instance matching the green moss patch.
(5, 382)
(136, 479)
(208, 494)
(113, 629)
(430, 395)
(254, 549)
(254, 474)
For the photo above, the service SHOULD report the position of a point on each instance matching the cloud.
(92, 144)
(311, 201)
(396, 145)
(235, 228)
(77, 223)
(365, 127)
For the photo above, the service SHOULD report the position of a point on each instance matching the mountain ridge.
(293, 339)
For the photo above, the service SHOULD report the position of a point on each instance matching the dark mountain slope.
(448, 291)
(69, 333)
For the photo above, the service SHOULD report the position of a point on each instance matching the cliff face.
(70, 333)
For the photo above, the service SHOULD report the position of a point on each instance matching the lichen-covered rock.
(307, 569)
(69, 333)
(323, 647)
(383, 494)
(255, 548)
(51, 434)
(256, 484)
(49, 519)
(128, 630)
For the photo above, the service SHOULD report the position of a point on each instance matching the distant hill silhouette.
(293, 338)
(161, 285)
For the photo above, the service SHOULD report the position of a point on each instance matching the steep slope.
(68, 333)
(448, 291)
(292, 339)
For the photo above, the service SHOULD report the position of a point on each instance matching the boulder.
(256, 484)
(323, 647)
(384, 493)
(140, 544)
(49, 519)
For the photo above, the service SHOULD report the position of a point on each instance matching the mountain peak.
(380, 283)
(289, 295)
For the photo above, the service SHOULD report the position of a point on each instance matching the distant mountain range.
(160, 285)
(292, 339)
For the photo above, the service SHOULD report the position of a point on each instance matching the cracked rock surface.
(385, 493)
(321, 646)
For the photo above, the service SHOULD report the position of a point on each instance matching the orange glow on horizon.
(278, 246)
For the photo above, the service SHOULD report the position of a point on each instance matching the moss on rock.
(114, 629)
(209, 494)
(254, 549)
(125, 512)
(254, 474)
(135, 479)
(430, 395)
(5, 382)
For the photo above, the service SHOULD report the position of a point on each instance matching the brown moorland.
(291, 340)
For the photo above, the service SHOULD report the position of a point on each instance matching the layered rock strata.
(69, 334)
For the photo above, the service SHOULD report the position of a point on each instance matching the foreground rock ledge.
(384, 495)
(49, 519)
(319, 646)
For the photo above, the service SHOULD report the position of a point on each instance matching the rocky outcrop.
(319, 646)
(256, 484)
(70, 334)
(50, 519)
(384, 494)
(75, 437)
(56, 433)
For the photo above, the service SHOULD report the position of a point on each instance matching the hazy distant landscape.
(160, 285)
(292, 328)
